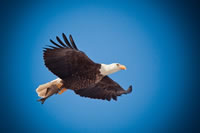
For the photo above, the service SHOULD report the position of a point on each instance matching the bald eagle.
(77, 72)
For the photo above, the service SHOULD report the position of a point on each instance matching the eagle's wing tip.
(129, 90)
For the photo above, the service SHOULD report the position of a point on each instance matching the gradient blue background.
(157, 41)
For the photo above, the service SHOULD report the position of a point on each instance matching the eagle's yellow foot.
(62, 90)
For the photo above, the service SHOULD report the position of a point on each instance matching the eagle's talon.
(62, 90)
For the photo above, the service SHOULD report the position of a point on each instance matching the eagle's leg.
(61, 87)
(62, 90)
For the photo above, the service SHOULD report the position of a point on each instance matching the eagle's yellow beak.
(122, 67)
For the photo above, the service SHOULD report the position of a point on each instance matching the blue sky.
(153, 39)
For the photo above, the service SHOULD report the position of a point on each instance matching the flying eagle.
(79, 73)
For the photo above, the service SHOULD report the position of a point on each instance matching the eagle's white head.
(111, 68)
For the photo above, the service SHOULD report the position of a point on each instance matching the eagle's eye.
(117, 64)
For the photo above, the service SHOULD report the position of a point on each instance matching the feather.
(51, 46)
(58, 39)
(72, 42)
(55, 44)
(66, 41)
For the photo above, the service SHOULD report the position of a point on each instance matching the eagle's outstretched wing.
(106, 89)
(69, 63)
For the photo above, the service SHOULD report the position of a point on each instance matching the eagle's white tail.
(42, 89)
